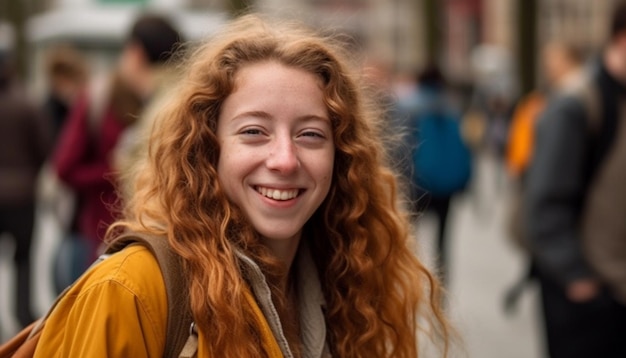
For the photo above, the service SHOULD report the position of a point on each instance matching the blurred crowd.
(562, 146)
(84, 134)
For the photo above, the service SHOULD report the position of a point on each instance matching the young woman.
(266, 175)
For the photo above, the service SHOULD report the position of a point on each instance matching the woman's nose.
(283, 155)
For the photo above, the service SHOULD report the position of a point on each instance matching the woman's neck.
(289, 313)
(285, 251)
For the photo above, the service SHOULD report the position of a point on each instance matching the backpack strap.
(181, 336)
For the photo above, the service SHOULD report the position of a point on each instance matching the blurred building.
(582, 22)
(521, 28)
(397, 33)
(389, 31)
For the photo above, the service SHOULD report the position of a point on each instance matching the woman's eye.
(312, 134)
(251, 131)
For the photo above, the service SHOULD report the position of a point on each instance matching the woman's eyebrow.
(313, 117)
(255, 114)
(267, 116)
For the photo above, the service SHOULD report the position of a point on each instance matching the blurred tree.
(432, 29)
(14, 12)
(527, 44)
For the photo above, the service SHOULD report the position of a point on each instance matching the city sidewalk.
(484, 265)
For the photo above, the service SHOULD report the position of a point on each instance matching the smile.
(277, 194)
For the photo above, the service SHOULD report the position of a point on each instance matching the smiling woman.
(266, 176)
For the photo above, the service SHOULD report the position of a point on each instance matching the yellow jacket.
(118, 309)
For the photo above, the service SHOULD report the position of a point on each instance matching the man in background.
(576, 208)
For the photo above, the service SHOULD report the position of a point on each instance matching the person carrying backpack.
(265, 179)
(575, 209)
(441, 160)
(562, 67)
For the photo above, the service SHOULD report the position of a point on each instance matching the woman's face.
(277, 149)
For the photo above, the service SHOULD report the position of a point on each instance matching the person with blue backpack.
(440, 164)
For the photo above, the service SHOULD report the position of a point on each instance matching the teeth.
(278, 194)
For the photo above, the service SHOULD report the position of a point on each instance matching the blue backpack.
(442, 162)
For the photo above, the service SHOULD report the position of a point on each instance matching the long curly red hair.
(377, 291)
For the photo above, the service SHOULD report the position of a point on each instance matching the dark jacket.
(26, 138)
(568, 155)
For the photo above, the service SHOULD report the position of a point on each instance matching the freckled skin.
(275, 134)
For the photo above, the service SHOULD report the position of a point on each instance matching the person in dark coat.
(576, 209)
(26, 138)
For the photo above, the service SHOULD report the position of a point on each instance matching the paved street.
(483, 266)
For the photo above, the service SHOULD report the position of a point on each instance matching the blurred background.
(490, 53)
(402, 34)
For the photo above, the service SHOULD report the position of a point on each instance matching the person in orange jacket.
(561, 64)
(562, 68)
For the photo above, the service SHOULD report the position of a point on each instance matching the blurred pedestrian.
(84, 154)
(150, 69)
(562, 71)
(494, 94)
(66, 75)
(266, 178)
(562, 68)
(389, 91)
(576, 208)
(441, 161)
(26, 138)
(561, 65)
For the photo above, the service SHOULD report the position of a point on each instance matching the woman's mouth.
(277, 194)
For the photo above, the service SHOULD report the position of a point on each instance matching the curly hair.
(377, 291)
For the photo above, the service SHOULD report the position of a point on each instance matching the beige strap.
(190, 348)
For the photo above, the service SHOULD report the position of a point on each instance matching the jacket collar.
(311, 303)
